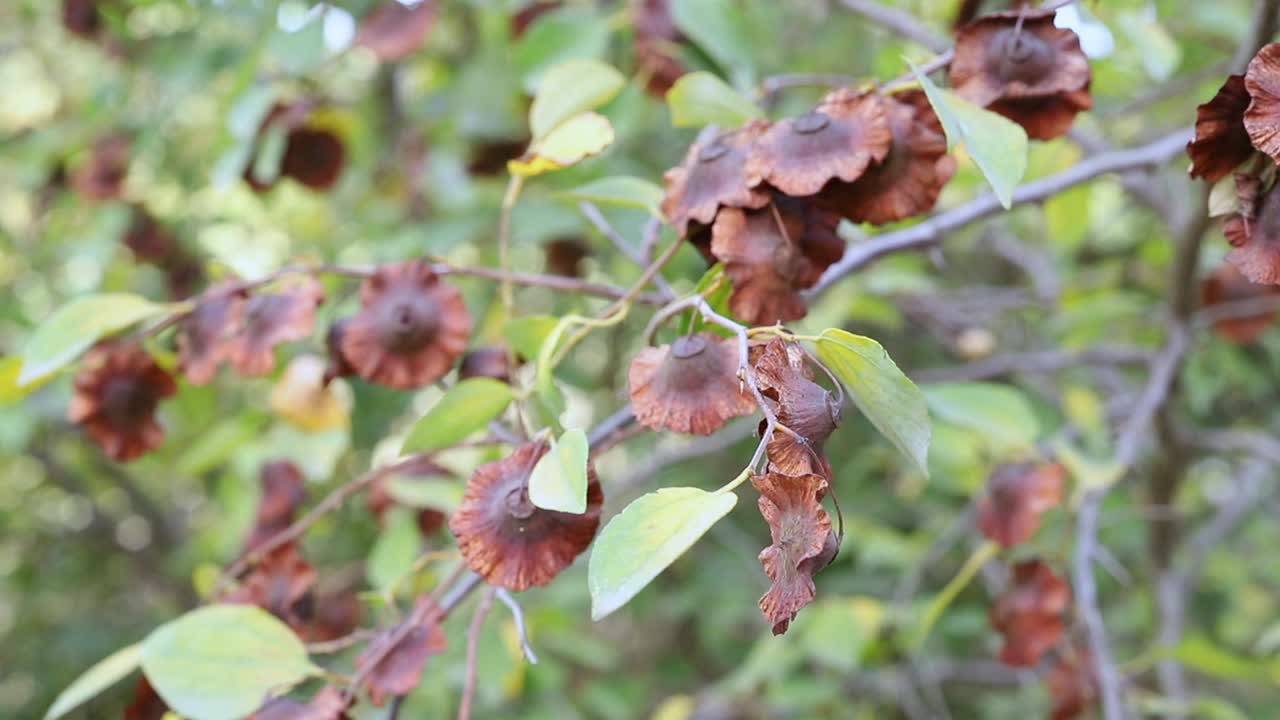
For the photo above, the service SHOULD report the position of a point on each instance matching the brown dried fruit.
(281, 583)
(270, 319)
(400, 670)
(510, 541)
(1227, 285)
(1262, 118)
(203, 339)
(909, 179)
(1255, 232)
(1072, 683)
(117, 390)
(802, 406)
(837, 140)
(713, 175)
(147, 703)
(313, 157)
(101, 176)
(1029, 613)
(1018, 64)
(656, 41)
(689, 386)
(282, 494)
(487, 362)
(771, 254)
(803, 542)
(1017, 495)
(1221, 142)
(328, 704)
(82, 17)
(565, 255)
(393, 30)
(410, 329)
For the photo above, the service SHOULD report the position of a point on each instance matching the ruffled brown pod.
(282, 494)
(280, 583)
(398, 666)
(713, 175)
(1020, 65)
(270, 319)
(773, 253)
(838, 140)
(803, 543)
(328, 704)
(1262, 118)
(394, 31)
(1017, 495)
(101, 176)
(807, 411)
(510, 541)
(1221, 142)
(1254, 232)
(1228, 285)
(689, 386)
(203, 336)
(486, 362)
(117, 390)
(1029, 613)
(1072, 683)
(410, 329)
(656, 40)
(909, 179)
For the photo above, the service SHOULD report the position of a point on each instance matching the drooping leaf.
(1000, 413)
(620, 190)
(395, 550)
(700, 98)
(569, 90)
(76, 326)
(565, 34)
(220, 662)
(464, 409)
(559, 480)
(105, 673)
(997, 145)
(645, 538)
(886, 396)
(579, 137)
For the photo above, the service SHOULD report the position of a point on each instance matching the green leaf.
(999, 413)
(645, 538)
(301, 50)
(430, 493)
(700, 98)
(107, 672)
(887, 397)
(76, 326)
(578, 138)
(250, 108)
(266, 166)
(620, 190)
(221, 662)
(717, 27)
(526, 334)
(558, 36)
(10, 390)
(395, 551)
(1159, 51)
(464, 409)
(997, 145)
(570, 89)
(714, 287)
(559, 480)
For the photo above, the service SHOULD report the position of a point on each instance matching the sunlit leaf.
(642, 540)
(107, 672)
(1000, 413)
(527, 334)
(620, 190)
(579, 137)
(700, 98)
(714, 287)
(717, 27)
(396, 549)
(429, 494)
(564, 34)
(559, 480)
(886, 396)
(997, 145)
(466, 408)
(568, 90)
(10, 390)
(221, 661)
(76, 326)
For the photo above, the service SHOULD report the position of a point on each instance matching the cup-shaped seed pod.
(689, 386)
(510, 541)
(1017, 495)
(203, 337)
(410, 329)
(805, 408)
(1262, 118)
(270, 319)
(713, 175)
(1019, 64)
(1221, 141)
(117, 390)
(1254, 232)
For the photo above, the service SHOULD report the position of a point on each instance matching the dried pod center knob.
(810, 123)
(713, 152)
(1022, 56)
(125, 399)
(687, 347)
(519, 505)
(408, 321)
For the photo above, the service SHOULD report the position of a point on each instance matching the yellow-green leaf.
(642, 540)
(579, 137)
(620, 190)
(76, 326)
(886, 396)
(107, 672)
(464, 409)
(559, 480)
(1000, 413)
(700, 98)
(569, 89)
(997, 145)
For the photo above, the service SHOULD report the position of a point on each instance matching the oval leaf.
(700, 98)
(881, 391)
(464, 409)
(221, 662)
(579, 137)
(559, 480)
(999, 413)
(621, 190)
(104, 674)
(395, 551)
(76, 326)
(645, 538)
(997, 145)
(570, 89)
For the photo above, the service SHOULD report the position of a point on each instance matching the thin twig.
(522, 630)
(473, 645)
(634, 254)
